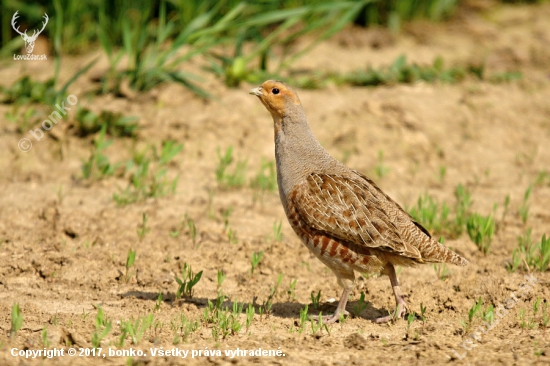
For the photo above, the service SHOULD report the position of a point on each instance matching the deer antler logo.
(29, 40)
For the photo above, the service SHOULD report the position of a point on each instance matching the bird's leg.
(399, 300)
(340, 309)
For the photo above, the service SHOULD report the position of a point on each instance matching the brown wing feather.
(355, 210)
(388, 198)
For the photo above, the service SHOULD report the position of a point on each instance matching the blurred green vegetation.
(152, 42)
(81, 18)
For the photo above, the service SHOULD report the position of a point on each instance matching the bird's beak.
(256, 91)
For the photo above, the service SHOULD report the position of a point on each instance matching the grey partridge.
(342, 216)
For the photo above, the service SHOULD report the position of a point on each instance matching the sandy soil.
(64, 241)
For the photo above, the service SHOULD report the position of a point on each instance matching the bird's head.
(277, 97)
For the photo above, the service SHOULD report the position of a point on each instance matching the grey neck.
(298, 154)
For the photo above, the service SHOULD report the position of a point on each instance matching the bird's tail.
(439, 253)
(432, 251)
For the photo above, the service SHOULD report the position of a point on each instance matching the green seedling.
(147, 175)
(410, 319)
(221, 278)
(537, 351)
(542, 260)
(481, 230)
(516, 262)
(220, 299)
(143, 230)
(158, 303)
(16, 320)
(208, 312)
(474, 310)
(303, 318)
(275, 288)
(60, 194)
(250, 311)
(543, 177)
(226, 179)
(315, 300)
(232, 236)
(226, 213)
(505, 77)
(102, 328)
(292, 290)
(545, 318)
(88, 123)
(536, 306)
(423, 314)
(521, 317)
(182, 328)
(489, 314)
(255, 260)
(278, 231)
(233, 323)
(318, 325)
(463, 204)
(192, 229)
(26, 91)
(84, 314)
(44, 337)
(187, 282)
(402, 72)
(342, 318)
(506, 207)
(265, 308)
(433, 216)
(98, 166)
(224, 322)
(361, 305)
(524, 207)
(441, 270)
(381, 170)
(136, 329)
(266, 178)
(25, 119)
(123, 335)
(524, 250)
(130, 259)
(442, 173)
(525, 323)
(531, 255)
(157, 327)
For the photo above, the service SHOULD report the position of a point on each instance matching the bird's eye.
(275, 91)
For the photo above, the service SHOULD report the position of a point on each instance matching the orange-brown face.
(276, 96)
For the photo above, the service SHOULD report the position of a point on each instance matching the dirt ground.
(64, 241)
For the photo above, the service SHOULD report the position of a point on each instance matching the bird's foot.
(330, 319)
(399, 312)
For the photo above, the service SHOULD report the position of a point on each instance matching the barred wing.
(354, 209)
